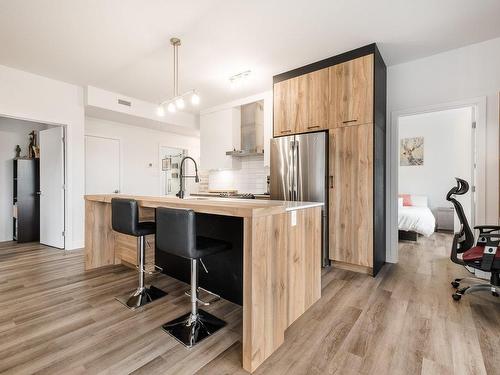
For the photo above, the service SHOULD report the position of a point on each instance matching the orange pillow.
(406, 199)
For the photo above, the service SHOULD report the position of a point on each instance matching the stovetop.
(237, 195)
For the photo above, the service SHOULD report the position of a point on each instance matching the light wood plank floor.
(57, 319)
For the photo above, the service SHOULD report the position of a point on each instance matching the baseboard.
(352, 267)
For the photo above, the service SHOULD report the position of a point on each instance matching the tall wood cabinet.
(351, 195)
(344, 95)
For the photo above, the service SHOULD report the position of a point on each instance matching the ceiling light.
(177, 98)
(179, 102)
(239, 78)
(160, 111)
(195, 99)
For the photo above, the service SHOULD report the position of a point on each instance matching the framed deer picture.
(411, 151)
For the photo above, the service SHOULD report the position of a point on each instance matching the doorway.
(33, 183)
(449, 137)
(170, 161)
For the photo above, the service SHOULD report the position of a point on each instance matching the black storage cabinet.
(26, 198)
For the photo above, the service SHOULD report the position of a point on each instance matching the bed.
(414, 217)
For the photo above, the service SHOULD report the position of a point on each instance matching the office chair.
(483, 256)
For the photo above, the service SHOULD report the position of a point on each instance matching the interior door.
(351, 195)
(102, 165)
(52, 187)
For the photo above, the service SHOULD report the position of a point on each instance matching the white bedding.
(416, 219)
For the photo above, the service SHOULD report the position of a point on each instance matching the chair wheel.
(456, 296)
(495, 294)
(455, 284)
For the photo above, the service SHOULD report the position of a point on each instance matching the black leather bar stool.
(176, 234)
(125, 219)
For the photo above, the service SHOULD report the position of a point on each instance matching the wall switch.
(294, 218)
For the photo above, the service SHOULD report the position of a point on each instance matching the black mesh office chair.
(483, 256)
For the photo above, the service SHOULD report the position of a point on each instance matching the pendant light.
(177, 101)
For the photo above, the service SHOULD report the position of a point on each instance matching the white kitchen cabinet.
(220, 131)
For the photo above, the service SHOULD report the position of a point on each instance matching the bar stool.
(176, 234)
(125, 219)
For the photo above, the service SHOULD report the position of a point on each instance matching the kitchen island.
(280, 255)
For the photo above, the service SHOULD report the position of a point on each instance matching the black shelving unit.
(26, 200)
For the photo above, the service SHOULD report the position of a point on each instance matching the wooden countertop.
(219, 206)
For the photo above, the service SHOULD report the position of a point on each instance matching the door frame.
(479, 103)
(120, 156)
(65, 163)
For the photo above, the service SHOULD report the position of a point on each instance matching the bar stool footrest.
(215, 298)
(189, 332)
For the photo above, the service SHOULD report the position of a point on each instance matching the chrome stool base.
(190, 329)
(141, 297)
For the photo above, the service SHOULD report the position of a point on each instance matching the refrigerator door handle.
(298, 176)
(292, 171)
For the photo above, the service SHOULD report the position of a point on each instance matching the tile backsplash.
(250, 178)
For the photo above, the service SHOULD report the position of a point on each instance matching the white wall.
(139, 148)
(464, 73)
(12, 132)
(447, 154)
(32, 97)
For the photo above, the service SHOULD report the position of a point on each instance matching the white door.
(52, 187)
(102, 165)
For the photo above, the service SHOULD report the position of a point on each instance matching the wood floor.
(57, 319)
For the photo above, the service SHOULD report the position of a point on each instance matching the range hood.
(252, 131)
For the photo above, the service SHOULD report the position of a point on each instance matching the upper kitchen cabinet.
(220, 131)
(351, 92)
(283, 123)
(301, 104)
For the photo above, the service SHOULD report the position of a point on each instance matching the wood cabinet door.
(312, 98)
(283, 124)
(351, 195)
(351, 92)
(301, 104)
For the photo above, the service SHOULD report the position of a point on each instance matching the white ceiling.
(123, 45)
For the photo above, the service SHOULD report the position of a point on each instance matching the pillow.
(419, 200)
(406, 199)
(400, 202)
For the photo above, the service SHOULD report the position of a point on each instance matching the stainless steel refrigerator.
(299, 173)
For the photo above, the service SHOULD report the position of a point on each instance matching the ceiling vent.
(125, 102)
